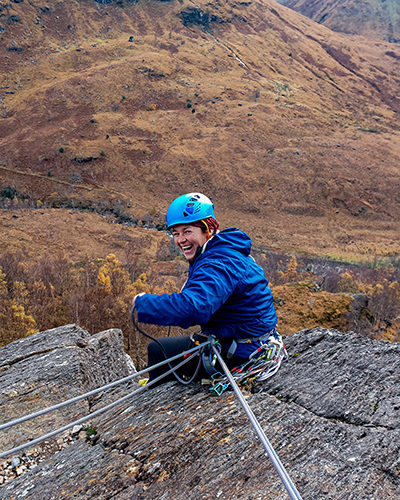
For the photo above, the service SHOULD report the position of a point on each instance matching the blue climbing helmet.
(188, 208)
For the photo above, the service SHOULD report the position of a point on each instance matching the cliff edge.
(332, 414)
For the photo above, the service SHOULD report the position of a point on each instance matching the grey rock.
(195, 16)
(51, 366)
(343, 377)
(331, 414)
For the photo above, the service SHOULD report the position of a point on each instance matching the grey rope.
(105, 408)
(287, 482)
(57, 406)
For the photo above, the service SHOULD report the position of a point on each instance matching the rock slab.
(50, 367)
(331, 414)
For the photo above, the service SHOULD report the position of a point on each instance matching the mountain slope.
(372, 18)
(291, 128)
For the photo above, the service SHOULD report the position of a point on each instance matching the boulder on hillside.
(331, 414)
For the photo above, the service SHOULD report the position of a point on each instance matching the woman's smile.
(189, 239)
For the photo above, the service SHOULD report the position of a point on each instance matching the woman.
(226, 292)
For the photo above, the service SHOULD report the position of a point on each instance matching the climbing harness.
(263, 362)
(261, 365)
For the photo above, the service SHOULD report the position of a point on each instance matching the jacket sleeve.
(209, 286)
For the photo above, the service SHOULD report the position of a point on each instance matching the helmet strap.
(207, 228)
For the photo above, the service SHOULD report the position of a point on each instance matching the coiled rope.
(262, 364)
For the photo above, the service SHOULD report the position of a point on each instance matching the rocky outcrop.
(52, 366)
(195, 16)
(331, 413)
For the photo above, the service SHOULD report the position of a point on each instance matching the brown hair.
(207, 225)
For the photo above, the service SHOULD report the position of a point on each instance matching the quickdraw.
(262, 364)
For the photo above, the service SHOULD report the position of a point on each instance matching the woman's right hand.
(135, 297)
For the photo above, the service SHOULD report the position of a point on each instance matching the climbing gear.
(185, 380)
(262, 364)
(290, 487)
(235, 342)
(209, 358)
(189, 208)
(287, 482)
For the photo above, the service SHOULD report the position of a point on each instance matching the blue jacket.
(226, 293)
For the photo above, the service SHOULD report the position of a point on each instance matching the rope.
(263, 363)
(100, 410)
(96, 391)
(287, 482)
(178, 378)
(290, 487)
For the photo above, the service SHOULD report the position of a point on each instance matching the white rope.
(290, 487)
(100, 410)
(57, 406)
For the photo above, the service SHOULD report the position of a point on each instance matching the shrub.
(9, 192)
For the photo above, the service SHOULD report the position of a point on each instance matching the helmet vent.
(189, 208)
(193, 207)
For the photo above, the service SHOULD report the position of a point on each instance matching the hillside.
(372, 18)
(291, 128)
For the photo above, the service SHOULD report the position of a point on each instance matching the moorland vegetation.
(109, 110)
(97, 294)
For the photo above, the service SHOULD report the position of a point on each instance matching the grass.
(209, 150)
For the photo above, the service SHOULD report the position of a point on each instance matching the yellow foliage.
(15, 322)
(3, 283)
(299, 307)
(292, 266)
(20, 292)
(112, 276)
(347, 283)
(141, 285)
(104, 281)
(290, 274)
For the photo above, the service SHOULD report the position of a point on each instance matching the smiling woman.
(189, 239)
(226, 293)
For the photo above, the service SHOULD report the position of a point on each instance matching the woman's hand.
(135, 297)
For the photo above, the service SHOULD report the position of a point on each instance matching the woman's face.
(189, 239)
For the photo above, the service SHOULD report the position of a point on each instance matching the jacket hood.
(233, 238)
